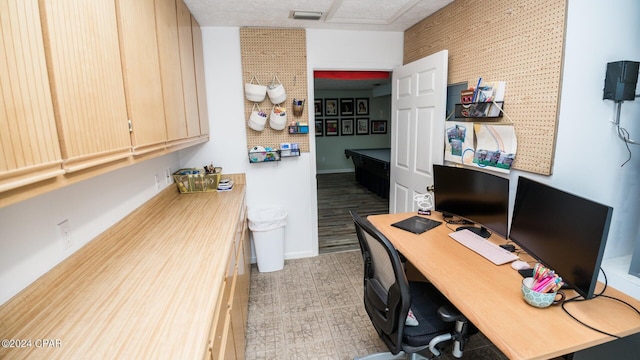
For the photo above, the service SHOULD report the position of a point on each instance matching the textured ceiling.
(382, 15)
(372, 15)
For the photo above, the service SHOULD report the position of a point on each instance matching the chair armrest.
(450, 314)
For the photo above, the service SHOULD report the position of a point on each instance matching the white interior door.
(418, 112)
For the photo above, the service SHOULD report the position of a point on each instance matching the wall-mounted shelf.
(299, 129)
(289, 150)
(480, 110)
(289, 153)
(259, 156)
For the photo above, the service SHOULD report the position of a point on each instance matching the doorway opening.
(347, 106)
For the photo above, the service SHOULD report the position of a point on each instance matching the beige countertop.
(145, 288)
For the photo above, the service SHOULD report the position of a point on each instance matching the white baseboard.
(334, 171)
(290, 256)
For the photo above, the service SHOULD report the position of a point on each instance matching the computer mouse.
(520, 265)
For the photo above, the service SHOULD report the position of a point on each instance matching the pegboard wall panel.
(518, 41)
(283, 53)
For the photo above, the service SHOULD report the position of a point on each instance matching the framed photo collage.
(344, 117)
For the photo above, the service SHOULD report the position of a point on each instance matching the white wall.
(30, 241)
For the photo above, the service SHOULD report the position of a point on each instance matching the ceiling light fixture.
(305, 15)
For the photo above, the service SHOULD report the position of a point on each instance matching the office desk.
(489, 296)
(372, 169)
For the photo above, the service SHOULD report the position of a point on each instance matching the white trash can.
(267, 227)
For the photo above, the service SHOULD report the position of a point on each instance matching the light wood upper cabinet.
(187, 66)
(141, 69)
(75, 73)
(29, 149)
(170, 69)
(198, 54)
(85, 73)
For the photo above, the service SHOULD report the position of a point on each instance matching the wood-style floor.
(337, 194)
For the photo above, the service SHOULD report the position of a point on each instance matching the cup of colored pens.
(543, 289)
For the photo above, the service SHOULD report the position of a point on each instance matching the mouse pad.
(416, 224)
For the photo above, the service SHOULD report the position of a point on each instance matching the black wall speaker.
(620, 81)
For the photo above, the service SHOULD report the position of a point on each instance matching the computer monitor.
(473, 195)
(565, 232)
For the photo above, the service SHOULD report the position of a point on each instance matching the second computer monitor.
(473, 195)
(565, 232)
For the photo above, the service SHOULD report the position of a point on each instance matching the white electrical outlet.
(167, 176)
(156, 178)
(65, 234)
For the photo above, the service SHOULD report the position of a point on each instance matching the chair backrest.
(386, 289)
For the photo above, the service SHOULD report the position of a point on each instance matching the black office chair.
(388, 296)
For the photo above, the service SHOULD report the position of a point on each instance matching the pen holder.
(298, 106)
(539, 299)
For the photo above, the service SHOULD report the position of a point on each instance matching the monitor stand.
(482, 231)
(449, 219)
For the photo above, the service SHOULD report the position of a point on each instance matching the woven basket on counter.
(196, 180)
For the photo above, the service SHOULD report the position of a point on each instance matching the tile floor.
(312, 309)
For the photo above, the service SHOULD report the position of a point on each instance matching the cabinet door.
(83, 56)
(244, 269)
(187, 66)
(229, 352)
(222, 320)
(171, 73)
(141, 68)
(29, 149)
(240, 305)
(235, 317)
(198, 54)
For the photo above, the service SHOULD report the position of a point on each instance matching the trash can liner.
(267, 219)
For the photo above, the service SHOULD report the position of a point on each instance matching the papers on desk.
(416, 224)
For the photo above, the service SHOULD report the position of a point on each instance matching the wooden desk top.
(490, 297)
(144, 289)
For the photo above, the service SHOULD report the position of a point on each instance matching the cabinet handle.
(130, 126)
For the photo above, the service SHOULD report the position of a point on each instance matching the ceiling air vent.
(305, 15)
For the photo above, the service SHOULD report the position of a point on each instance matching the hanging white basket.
(257, 119)
(276, 92)
(278, 118)
(255, 92)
